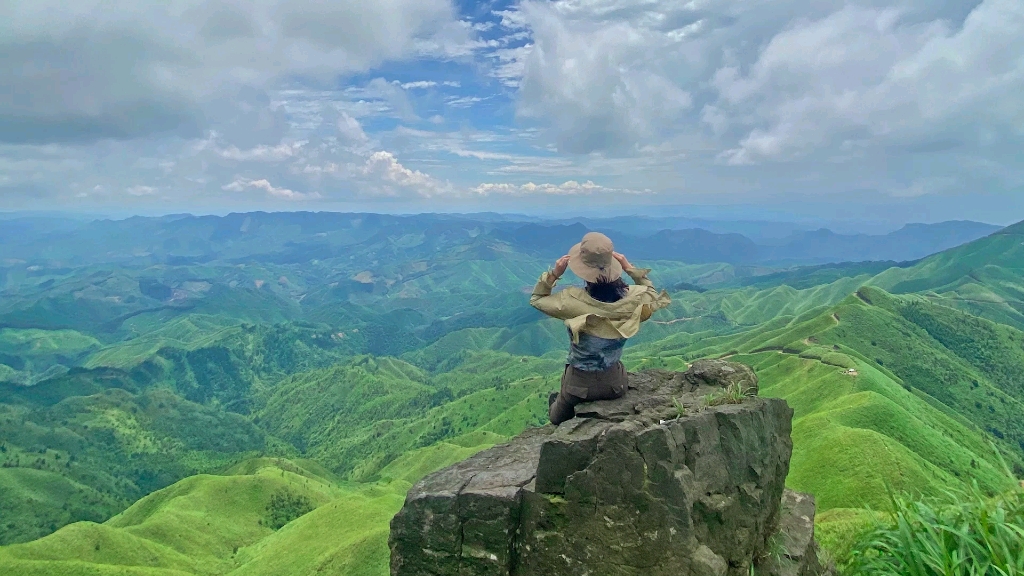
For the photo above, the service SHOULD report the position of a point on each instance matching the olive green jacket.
(613, 320)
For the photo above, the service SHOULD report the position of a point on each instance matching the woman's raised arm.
(541, 299)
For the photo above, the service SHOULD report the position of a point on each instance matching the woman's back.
(599, 319)
(593, 353)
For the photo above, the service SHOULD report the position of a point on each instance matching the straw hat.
(593, 259)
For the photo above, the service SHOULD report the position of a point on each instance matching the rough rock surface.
(656, 483)
(792, 551)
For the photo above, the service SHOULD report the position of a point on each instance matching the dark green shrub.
(286, 506)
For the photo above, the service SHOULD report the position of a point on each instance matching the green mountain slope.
(853, 433)
(381, 408)
(852, 436)
(206, 525)
(358, 417)
(37, 502)
(984, 277)
(195, 526)
(86, 457)
(29, 356)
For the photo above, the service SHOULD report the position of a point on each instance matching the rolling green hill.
(918, 414)
(982, 278)
(195, 526)
(29, 356)
(87, 457)
(852, 436)
(381, 408)
(172, 408)
(264, 516)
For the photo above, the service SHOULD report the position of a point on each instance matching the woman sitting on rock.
(599, 317)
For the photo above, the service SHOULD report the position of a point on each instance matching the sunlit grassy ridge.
(30, 355)
(984, 278)
(195, 526)
(853, 436)
(380, 408)
(186, 333)
(86, 457)
(217, 524)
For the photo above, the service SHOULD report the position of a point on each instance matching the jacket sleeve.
(639, 276)
(542, 299)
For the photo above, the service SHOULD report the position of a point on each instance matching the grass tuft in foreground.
(734, 393)
(966, 533)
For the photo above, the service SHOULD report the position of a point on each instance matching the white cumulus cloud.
(866, 76)
(242, 184)
(350, 130)
(94, 69)
(753, 81)
(388, 171)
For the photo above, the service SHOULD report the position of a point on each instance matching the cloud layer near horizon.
(426, 104)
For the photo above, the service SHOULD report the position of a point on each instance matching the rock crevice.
(656, 483)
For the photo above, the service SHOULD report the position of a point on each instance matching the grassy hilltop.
(264, 412)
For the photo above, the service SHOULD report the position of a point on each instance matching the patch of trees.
(284, 507)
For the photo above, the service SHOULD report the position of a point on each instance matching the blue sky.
(875, 110)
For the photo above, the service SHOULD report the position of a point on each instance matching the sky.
(908, 111)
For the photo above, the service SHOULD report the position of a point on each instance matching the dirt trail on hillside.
(666, 322)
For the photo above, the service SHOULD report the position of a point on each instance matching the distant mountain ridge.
(698, 246)
(303, 236)
(911, 242)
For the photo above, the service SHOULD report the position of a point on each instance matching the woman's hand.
(622, 260)
(560, 265)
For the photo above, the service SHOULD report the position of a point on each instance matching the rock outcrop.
(657, 483)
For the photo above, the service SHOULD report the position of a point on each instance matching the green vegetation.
(32, 355)
(286, 506)
(195, 526)
(87, 457)
(966, 533)
(732, 394)
(381, 408)
(241, 407)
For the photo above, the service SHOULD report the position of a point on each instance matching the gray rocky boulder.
(657, 483)
(792, 550)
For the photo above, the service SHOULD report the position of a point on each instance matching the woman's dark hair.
(607, 291)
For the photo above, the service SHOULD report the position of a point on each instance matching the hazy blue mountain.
(292, 237)
(694, 246)
(912, 242)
